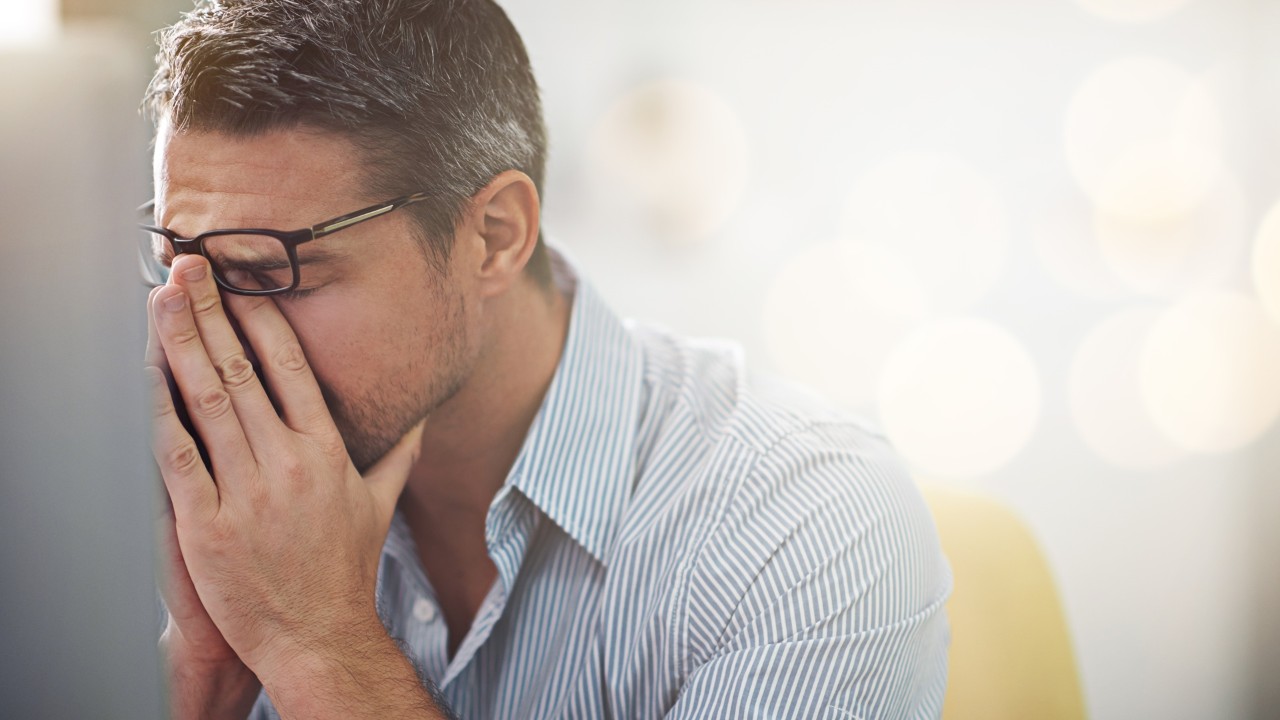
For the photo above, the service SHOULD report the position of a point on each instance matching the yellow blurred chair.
(1011, 653)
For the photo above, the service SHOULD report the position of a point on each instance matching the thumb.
(387, 477)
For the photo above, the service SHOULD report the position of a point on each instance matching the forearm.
(208, 691)
(362, 676)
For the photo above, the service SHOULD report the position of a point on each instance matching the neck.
(471, 440)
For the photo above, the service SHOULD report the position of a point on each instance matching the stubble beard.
(370, 426)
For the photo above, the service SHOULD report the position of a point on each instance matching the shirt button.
(424, 610)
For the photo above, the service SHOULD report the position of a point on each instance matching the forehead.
(282, 178)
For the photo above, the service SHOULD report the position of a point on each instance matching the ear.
(505, 217)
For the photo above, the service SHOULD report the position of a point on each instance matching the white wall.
(1157, 564)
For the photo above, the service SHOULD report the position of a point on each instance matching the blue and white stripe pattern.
(677, 541)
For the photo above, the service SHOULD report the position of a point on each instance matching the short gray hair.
(437, 94)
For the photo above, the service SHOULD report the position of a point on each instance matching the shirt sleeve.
(822, 594)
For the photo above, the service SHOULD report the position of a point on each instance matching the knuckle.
(161, 399)
(333, 451)
(183, 459)
(220, 535)
(236, 372)
(184, 337)
(213, 403)
(162, 408)
(294, 471)
(258, 493)
(161, 403)
(207, 305)
(290, 358)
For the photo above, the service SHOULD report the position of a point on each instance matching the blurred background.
(1037, 243)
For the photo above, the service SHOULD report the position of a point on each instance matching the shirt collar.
(578, 461)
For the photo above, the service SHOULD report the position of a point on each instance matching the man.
(458, 484)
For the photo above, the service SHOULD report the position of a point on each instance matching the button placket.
(424, 610)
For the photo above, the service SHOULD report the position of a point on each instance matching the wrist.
(319, 650)
(179, 649)
(203, 687)
(358, 672)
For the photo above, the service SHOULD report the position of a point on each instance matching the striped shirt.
(677, 539)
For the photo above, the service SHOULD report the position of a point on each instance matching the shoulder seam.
(714, 528)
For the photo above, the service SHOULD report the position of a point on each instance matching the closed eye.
(298, 294)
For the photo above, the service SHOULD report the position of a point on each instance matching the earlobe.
(507, 216)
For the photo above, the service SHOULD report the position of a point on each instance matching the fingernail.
(175, 302)
(195, 272)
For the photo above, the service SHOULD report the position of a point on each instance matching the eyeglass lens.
(262, 261)
(240, 261)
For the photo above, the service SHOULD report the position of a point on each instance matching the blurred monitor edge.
(78, 609)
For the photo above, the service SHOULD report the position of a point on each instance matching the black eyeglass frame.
(291, 239)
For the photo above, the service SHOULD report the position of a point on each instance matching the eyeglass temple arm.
(359, 216)
(340, 222)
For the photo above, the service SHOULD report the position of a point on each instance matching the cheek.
(342, 337)
(359, 342)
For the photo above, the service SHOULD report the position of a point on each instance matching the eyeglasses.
(248, 261)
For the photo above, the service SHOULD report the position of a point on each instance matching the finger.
(171, 565)
(155, 359)
(181, 602)
(283, 362)
(190, 487)
(387, 477)
(155, 353)
(249, 398)
(208, 402)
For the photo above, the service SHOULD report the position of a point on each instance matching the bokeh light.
(1185, 249)
(1266, 263)
(680, 153)
(25, 22)
(1209, 372)
(1066, 245)
(1144, 139)
(1105, 395)
(1133, 11)
(833, 314)
(960, 398)
(946, 219)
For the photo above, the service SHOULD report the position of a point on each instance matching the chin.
(371, 423)
(370, 429)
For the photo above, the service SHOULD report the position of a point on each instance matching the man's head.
(283, 113)
(437, 94)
